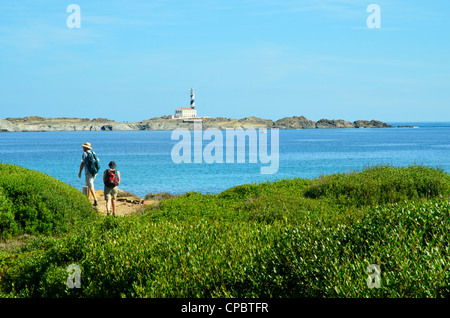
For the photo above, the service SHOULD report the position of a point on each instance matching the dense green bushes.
(381, 185)
(289, 238)
(35, 203)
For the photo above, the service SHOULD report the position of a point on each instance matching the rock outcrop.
(6, 125)
(294, 123)
(371, 124)
(340, 123)
(35, 123)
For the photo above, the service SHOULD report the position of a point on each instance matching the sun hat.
(112, 164)
(86, 145)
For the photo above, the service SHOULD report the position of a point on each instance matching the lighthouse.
(192, 98)
(187, 112)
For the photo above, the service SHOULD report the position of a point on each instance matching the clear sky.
(133, 60)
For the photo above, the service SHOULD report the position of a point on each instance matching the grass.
(288, 238)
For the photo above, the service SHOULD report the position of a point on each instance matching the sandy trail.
(125, 205)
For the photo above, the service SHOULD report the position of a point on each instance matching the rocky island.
(36, 123)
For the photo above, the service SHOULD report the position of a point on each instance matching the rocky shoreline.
(36, 123)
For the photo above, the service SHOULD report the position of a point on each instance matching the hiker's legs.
(113, 203)
(108, 206)
(91, 191)
(108, 198)
(114, 192)
(90, 184)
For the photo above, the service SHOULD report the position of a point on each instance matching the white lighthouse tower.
(192, 98)
(187, 112)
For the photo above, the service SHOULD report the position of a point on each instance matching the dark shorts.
(111, 193)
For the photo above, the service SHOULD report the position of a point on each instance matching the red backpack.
(111, 179)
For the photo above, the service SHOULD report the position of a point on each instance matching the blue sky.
(133, 60)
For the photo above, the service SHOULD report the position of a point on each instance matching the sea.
(151, 161)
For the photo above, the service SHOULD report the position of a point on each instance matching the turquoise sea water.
(144, 157)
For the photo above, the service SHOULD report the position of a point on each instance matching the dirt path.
(125, 205)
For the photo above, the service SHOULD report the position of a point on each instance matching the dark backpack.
(111, 179)
(92, 163)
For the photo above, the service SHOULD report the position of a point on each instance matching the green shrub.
(35, 203)
(131, 258)
(381, 185)
(289, 238)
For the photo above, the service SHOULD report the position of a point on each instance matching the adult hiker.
(90, 163)
(111, 179)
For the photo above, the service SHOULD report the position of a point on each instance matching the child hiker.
(111, 179)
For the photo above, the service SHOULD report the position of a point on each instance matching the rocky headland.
(36, 123)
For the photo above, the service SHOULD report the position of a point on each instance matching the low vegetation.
(289, 238)
(34, 203)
